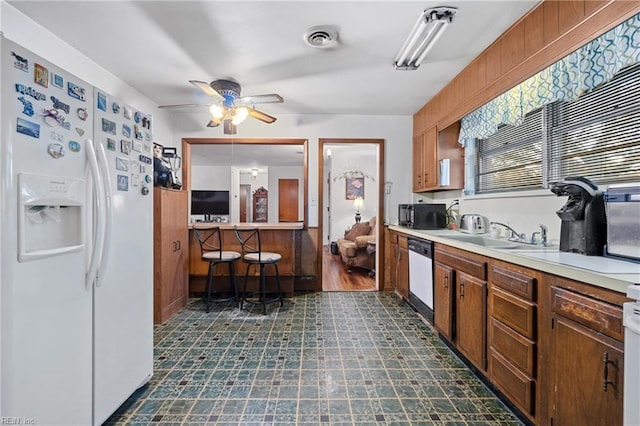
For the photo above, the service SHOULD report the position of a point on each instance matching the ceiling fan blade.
(182, 106)
(271, 98)
(206, 88)
(213, 123)
(266, 118)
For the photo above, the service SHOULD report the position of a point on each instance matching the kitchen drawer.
(514, 282)
(517, 386)
(517, 313)
(599, 316)
(513, 346)
(403, 242)
(470, 263)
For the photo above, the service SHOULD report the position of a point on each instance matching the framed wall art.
(355, 187)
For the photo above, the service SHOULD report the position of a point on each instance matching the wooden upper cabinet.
(417, 163)
(512, 48)
(570, 13)
(431, 151)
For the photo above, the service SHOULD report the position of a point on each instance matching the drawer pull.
(461, 289)
(606, 382)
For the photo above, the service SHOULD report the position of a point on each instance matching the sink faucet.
(515, 236)
(543, 235)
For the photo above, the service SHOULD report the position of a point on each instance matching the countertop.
(600, 271)
(285, 226)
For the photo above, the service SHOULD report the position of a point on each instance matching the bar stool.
(252, 254)
(211, 251)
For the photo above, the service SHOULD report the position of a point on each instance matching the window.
(596, 136)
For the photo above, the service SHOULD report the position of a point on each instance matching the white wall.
(395, 130)
(211, 177)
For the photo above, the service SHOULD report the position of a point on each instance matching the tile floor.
(322, 358)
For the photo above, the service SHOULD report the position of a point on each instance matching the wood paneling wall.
(549, 32)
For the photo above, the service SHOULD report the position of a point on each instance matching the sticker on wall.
(137, 146)
(126, 131)
(80, 131)
(30, 91)
(102, 102)
(58, 104)
(27, 106)
(123, 183)
(145, 159)
(28, 128)
(125, 146)
(56, 136)
(74, 146)
(57, 80)
(115, 107)
(82, 113)
(53, 118)
(111, 144)
(56, 150)
(40, 75)
(122, 164)
(137, 117)
(128, 112)
(108, 126)
(76, 91)
(19, 62)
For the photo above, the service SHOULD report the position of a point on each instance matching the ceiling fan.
(228, 107)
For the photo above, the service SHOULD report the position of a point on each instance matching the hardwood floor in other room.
(336, 278)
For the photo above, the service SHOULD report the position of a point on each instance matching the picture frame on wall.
(355, 188)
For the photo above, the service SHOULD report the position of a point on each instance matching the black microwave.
(422, 216)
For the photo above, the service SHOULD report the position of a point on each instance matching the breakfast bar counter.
(282, 238)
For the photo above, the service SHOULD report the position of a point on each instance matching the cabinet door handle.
(446, 282)
(461, 289)
(606, 382)
(178, 245)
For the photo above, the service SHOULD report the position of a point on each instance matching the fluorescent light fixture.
(423, 37)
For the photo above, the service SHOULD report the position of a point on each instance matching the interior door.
(244, 202)
(288, 200)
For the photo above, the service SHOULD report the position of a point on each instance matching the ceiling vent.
(321, 37)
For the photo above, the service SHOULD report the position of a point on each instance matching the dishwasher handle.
(420, 246)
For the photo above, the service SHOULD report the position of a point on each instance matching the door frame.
(380, 243)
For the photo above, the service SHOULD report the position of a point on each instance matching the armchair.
(356, 246)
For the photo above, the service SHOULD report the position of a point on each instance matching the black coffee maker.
(584, 221)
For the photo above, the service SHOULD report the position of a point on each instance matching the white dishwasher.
(631, 315)
(421, 276)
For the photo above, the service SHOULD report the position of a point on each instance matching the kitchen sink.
(495, 243)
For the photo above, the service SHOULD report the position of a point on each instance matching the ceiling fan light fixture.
(239, 114)
(321, 36)
(217, 111)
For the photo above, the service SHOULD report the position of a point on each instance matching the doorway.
(350, 187)
(245, 203)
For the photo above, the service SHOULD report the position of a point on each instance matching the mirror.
(266, 180)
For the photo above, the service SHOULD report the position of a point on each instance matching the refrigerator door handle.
(108, 209)
(99, 217)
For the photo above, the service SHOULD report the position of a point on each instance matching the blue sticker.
(30, 91)
(126, 131)
(28, 128)
(58, 81)
(76, 91)
(115, 107)
(58, 104)
(27, 106)
(122, 164)
(102, 101)
(137, 132)
(123, 183)
(111, 144)
(74, 146)
(136, 117)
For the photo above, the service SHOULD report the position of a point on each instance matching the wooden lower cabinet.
(587, 360)
(443, 300)
(170, 253)
(460, 277)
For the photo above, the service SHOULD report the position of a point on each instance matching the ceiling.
(157, 46)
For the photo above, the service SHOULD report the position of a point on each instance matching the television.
(210, 202)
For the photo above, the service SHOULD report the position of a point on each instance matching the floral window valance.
(588, 67)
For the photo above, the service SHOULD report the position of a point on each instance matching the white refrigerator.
(76, 300)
